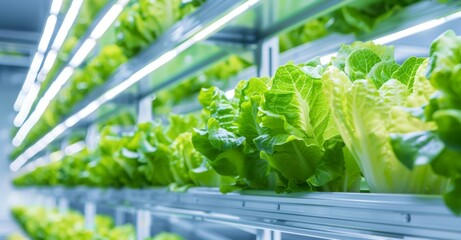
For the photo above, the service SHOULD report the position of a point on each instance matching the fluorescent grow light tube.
(35, 164)
(51, 56)
(67, 23)
(41, 105)
(47, 64)
(63, 77)
(55, 156)
(30, 78)
(74, 148)
(37, 147)
(405, 33)
(47, 33)
(64, 30)
(82, 52)
(27, 105)
(48, 30)
(110, 94)
(108, 19)
(166, 57)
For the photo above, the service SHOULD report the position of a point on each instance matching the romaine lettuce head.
(439, 146)
(369, 94)
(190, 167)
(298, 135)
(227, 140)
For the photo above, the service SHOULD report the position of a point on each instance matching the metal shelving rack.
(253, 35)
(247, 27)
(320, 215)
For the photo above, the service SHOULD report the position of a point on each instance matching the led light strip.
(64, 76)
(140, 74)
(56, 156)
(67, 24)
(48, 30)
(404, 33)
(50, 58)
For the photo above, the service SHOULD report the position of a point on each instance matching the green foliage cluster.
(40, 223)
(45, 224)
(152, 155)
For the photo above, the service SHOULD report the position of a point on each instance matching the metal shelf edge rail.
(326, 215)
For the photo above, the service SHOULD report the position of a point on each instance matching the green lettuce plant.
(299, 137)
(438, 147)
(367, 90)
(43, 224)
(227, 140)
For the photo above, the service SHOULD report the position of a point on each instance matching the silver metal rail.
(322, 215)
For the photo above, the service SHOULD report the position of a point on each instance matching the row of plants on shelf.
(42, 223)
(137, 27)
(310, 127)
(152, 155)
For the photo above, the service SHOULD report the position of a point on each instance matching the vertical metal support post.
(38, 200)
(276, 235)
(145, 110)
(64, 144)
(143, 223)
(90, 215)
(267, 55)
(92, 135)
(49, 201)
(267, 52)
(90, 207)
(144, 104)
(267, 234)
(119, 216)
(63, 205)
(46, 159)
